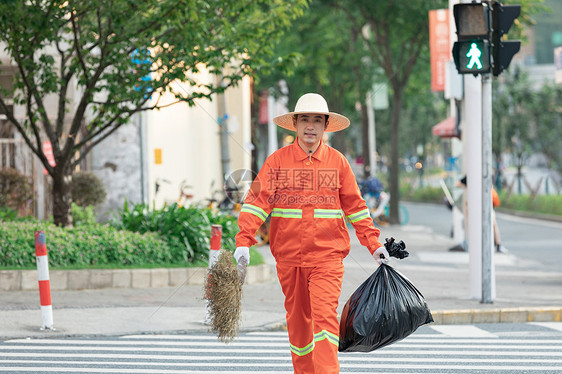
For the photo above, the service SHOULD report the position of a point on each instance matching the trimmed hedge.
(141, 237)
(81, 246)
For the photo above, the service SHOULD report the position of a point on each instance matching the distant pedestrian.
(307, 188)
(495, 203)
(377, 199)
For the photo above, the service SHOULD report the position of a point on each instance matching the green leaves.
(546, 108)
(186, 229)
(526, 119)
(107, 58)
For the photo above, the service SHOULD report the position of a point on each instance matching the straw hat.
(312, 103)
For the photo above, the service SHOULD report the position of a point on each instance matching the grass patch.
(543, 204)
(425, 194)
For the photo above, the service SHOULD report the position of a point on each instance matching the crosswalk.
(493, 349)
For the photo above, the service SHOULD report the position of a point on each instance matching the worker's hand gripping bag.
(384, 309)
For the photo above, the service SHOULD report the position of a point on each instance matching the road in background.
(538, 240)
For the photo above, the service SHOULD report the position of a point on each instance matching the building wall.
(116, 161)
(189, 142)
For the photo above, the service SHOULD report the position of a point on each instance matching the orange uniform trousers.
(311, 300)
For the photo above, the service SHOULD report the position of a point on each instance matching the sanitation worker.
(309, 190)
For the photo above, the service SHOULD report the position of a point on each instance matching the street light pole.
(224, 135)
(143, 166)
(372, 134)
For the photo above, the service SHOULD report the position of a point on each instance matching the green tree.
(328, 58)
(546, 109)
(400, 31)
(399, 34)
(504, 137)
(119, 57)
(526, 119)
(512, 119)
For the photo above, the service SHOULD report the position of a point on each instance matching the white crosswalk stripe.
(433, 349)
(462, 331)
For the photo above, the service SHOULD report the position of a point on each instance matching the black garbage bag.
(386, 308)
(395, 249)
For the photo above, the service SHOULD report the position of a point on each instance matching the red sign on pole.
(48, 152)
(439, 47)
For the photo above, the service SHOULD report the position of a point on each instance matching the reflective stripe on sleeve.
(332, 338)
(303, 351)
(362, 214)
(286, 213)
(327, 213)
(255, 210)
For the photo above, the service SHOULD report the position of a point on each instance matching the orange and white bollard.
(44, 283)
(214, 251)
(216, 238)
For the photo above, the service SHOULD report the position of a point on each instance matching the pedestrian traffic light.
(472, 56)
(472, 50)
(503, 51)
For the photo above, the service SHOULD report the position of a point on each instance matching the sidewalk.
(523, 293)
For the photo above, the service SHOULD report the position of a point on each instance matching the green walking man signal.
(474, 54)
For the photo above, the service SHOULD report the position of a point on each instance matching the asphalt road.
(538, 240)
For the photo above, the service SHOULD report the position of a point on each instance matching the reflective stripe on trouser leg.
(325, 288)
(294, 283)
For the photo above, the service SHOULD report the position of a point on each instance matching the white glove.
(381, 255)
(242, 252)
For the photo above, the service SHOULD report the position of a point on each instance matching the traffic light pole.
(488, 278)
(472, 162)
(480, 26)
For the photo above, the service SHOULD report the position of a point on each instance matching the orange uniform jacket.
(307, 197)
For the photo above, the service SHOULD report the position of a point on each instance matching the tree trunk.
(338, 142)
(519, 176)
(394, 157)
(365, 141)
(61, 199)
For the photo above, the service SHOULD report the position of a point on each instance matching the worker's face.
(310, 127)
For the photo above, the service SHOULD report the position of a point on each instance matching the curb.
(476, 316)
(502, 315)
(519, 213)
(90, 279)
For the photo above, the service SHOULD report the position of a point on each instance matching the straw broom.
(223, 291)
